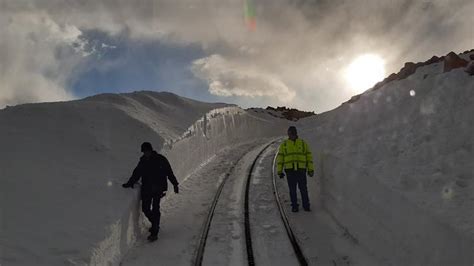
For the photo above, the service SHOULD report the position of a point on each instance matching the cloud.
(37, 56)
(234, 78)
(296, 55)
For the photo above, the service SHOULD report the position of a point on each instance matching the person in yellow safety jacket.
(295, 158)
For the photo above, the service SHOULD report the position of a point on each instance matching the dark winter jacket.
(154, 172)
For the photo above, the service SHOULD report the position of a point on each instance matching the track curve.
(198, 258)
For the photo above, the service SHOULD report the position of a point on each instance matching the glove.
(176, 189)
(281, 175)
(127, 185)
(311, 173)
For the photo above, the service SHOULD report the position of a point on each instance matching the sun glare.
(364, 72)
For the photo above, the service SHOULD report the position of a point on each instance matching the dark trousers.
(151, 209)
(297, 178)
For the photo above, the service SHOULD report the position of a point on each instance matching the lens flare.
(249, 15)
(447, 193)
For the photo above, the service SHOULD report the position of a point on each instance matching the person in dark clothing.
(155, 171)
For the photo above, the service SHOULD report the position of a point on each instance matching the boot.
(154, 230)
(152, 237)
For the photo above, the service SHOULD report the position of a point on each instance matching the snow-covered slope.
(62, 164)
(397, 167)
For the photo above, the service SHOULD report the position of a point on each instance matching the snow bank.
(62, 166)
(397, 167)
(386, 222)
(217, 129)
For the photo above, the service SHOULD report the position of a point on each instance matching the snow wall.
(62, 165)
(218, 129)
(396, 167)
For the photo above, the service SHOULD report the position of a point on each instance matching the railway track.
(198, 259)
(207, 224)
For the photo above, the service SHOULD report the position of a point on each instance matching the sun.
(364, 72)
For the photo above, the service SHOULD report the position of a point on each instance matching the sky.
(254, 53)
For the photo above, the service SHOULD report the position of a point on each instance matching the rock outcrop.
(453, 61)
(290, 114)
(470, 68)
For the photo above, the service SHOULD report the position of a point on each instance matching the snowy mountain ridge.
(450, 61)
(160, 110)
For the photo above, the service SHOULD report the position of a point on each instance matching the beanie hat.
(146, 146)
(292, 130)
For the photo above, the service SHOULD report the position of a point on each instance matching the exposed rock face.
(432, 60)
(354, 99)
(468, 51)
(470, 68)
(408, 69)
(453, 61)
(291, 114)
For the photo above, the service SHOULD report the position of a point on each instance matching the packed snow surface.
(397, 167)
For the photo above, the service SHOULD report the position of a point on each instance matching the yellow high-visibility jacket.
(294, 155)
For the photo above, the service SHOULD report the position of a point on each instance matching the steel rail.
(199, 256)
(248, 233)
